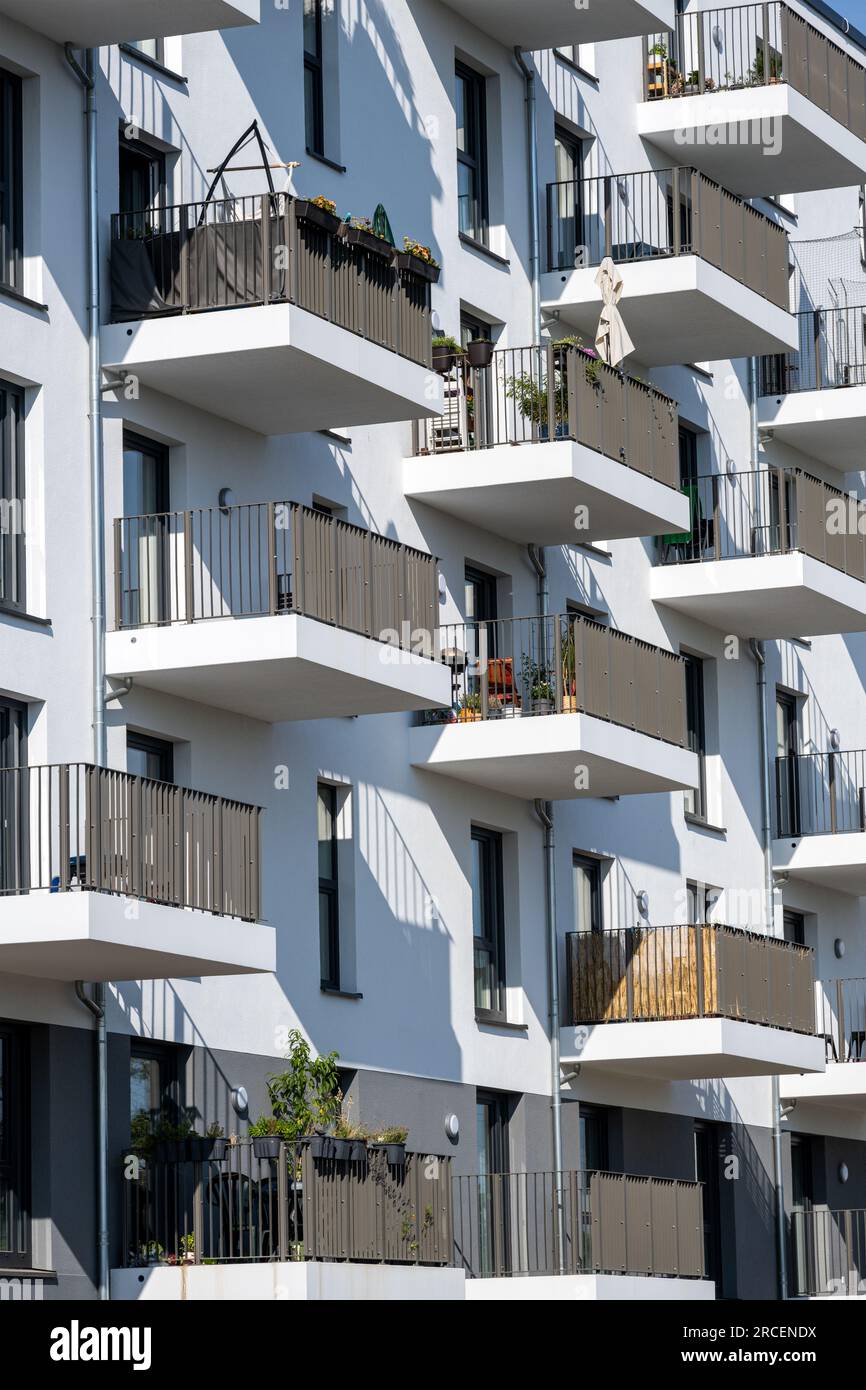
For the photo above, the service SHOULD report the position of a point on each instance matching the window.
(471, 103)
(492, 1113)
(688, 446)
(154, 1089)
(150, 48)
(700, 901)
(13, 796)
(314, 86)
(708, 1155)
(696, 798)
(794, 927)
(141, 184)
(582, 55)
(14, 1150)
(329, 906)
(150, 757)
(787, 766)
(593, 1139)
(567, 233)
(488, 924)
(12, 561)
(10, 180)
(586, 878)
(147, 532)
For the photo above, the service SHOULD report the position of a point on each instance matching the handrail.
(820, 793)
(831, 353)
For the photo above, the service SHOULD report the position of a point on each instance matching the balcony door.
(12, 536)
(13, 791)
(802, 1202)
(481, 626)
(787, 770)
(568, 210)
(492, 1113)
(141, 186)
(14, 1150)
(147, 580)
(707, 1164)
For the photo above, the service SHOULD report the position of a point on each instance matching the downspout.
(534, 219)
(96, 1005)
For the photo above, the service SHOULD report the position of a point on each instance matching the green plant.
(659, 50)
(306, 1097)
(755, 75)
(417, 248)
(269, 1126)
(391, 1134)
(538, 677)
(471, 700)
(214, 1131)
(363, 224)
(326, 204)
(443, 340)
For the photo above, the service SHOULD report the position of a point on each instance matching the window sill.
(323, 159)
(483, 250)
(341, 993)
(8, 612)
(485, 1020)
(153, 63)
(698, 823)
(700, 371)
(7, 292)
(575, 67)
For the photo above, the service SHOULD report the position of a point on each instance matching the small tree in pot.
(305, 1101)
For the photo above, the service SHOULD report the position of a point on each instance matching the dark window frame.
(158, 55)
(314, 120)
(11, 180)
(329, 891)
(594, 1125)
(171, 1079)
(696, 731)
(157, 199)
(14, 794)
(586, 861)
(161, 748)
(17, 1165)
(492, 943)
(13, 556)
(474, 157)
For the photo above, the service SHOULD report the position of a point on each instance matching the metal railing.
(829, 1252)
(666, 212)
(268, 558)
(614, 1223)
(232, 252)
(66, 826)
(769, 511)
(240, 1208)
(820, 793)
(562, 663)
(645, 974)
(840, 1010)
(727, 49)
(532, 395)
(832, 353)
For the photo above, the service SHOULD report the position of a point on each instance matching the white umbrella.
(611, 337)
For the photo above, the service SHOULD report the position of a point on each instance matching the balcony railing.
(829, 1250)
(257, 250)
(268, 558)
(515, 399)
(770, 511)
(631, 218)
(727, 49)
(832, 353)
(67, 826)
(505, 1225)
(651, 974)
(236, 1207)
(841, 1018)
(563, 664)
(820, 793)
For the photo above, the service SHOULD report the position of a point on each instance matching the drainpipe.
(534, 220)
(96, 1005)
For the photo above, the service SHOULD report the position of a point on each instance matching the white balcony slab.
(691, 1049)
(278, 667)
(547, 755)
(274, 368)
(590, 1288)
(831, 861)
(843, 1084)
(301, 1281)
(676, 309)
(769, 596)
(756, 141)
(829, 425)
(90, 23)
(102, 936)
(534, 24)
(532, 492)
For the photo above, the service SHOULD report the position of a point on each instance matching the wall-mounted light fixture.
(240, 1100)
(643, 902)
(226, 499)
(835, 740)
(839, 948)
(452, 1127)
(843, 1172)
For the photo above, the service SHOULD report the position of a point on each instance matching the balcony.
(608, 469)
(334, 331)
(690, 1002)
(708, 284)
(814, 399)
(829, 1253)
(840, 1007)
(79, 842)
(275, 611)
(770, 553)
(757, 98)
(92, 23)
(558, 707)
(554, 23)
(821, 819)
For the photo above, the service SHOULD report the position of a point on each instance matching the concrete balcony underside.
(756, 141)
(556, 756)
(278, 667)
(829, 425)
(676, 309)
(90, 23)
(274, 368)
(535, 24)
(830, 861)
(101, 936)
(532, 492)
(691, 1049)
(770, 596)
(843, 1084)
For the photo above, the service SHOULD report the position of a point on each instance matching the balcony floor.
(831, 861)
(843, 1084)
(529, 492)
(535, 24)
(539, 756)
(800, 148)
(770, 596)
(278, 667)
(691, 1049)
(274, 368)
(94, 936)
(676, 309)
(91, 23)
(828, 425)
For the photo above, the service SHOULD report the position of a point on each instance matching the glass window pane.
(461, 101)
(327, 866)
(466, 200)
(312, 31)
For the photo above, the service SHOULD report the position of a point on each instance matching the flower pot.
(396, 1155)
(321, 1146)
(306, 211)
(266, 1145)
(416, 265)
(480, 353)
(341, 1150)
(206, 1149)
(444, 359)
(359, 236)
(358, 1151)
(542, 706)
(468, 716)
(569, 704)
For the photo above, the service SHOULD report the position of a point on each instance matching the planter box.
(205, 1149)
(357, 236)
(266, 1145)
(416, 265)
(306, 211)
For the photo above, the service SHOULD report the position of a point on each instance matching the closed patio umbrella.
(381, 225)
(611, 337)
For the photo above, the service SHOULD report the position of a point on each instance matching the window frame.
(475, 158)
(696, 737)
(588, 862)
(492, 943)
(314, 121)
(161, 748)
(329, 889)
(11, 180)
(13, 555)
(19, 1164)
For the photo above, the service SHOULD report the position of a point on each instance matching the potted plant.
(480, 353)
(470, 707)
(350, 1139)
(210, 1147)
(495, 707)
(419, 259)
(169, 1138)
(320, 211)
(392, 1140)
(659, 66)
(538, 678)
(267, 1133)
(446, 353)
(531, 397)
(305, 1102)
(359, 231)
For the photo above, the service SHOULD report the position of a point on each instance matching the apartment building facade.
(417, 723)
